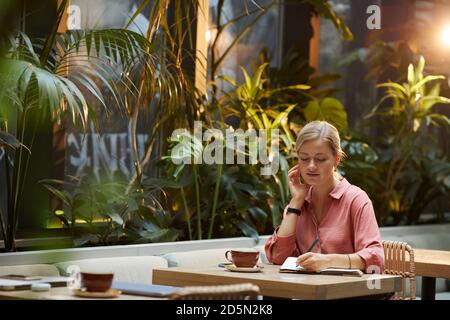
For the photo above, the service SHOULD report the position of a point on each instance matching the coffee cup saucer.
(110, 293)
(233, 268)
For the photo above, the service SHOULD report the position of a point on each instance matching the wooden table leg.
(428, 288)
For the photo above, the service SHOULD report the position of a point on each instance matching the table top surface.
(432, 263)
(62, 293)
(272, 283)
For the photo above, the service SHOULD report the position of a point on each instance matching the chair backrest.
(244, 291)
(396, 263)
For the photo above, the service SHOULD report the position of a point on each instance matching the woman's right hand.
(298, 189)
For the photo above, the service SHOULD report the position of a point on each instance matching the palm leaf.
(42, 89)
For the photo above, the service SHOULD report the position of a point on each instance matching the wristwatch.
(294, 210)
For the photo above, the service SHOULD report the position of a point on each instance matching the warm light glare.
(208, 35)
(98, 220)
(445, 37)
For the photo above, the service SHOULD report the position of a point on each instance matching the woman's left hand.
(312, 261)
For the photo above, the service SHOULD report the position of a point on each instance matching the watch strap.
(294, 210)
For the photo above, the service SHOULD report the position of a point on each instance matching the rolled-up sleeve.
(367, 239)
(279, 248)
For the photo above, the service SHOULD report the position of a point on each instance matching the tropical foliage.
(142, 77)
(104, 212)
(35, 80)
(402, 170)
(411, 172)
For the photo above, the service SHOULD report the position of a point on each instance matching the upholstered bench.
(46, 270)
(134, 269)
(197, 258)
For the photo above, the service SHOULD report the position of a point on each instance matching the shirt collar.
(336, 193)
(339, 189)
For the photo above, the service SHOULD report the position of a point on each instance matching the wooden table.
(272, 283)
(431, 264)
(61, 293)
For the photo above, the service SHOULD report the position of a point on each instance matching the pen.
(313, 245)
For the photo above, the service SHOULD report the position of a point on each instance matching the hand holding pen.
(313, 261)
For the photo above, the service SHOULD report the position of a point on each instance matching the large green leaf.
(329, 109)
(248, 230)
(282, 116)
(58, 193)
(395, 86)
(258, 214)
(161, 235)
(325, 10)
(7, 139)
(297, 87)
(115, 217)
(86, 239)
(418, 85)
(411, 76)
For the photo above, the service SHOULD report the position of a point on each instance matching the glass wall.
(103, 153)
(337, 56)
(265, 34)
(107, 149)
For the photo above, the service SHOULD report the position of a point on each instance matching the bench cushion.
(46, 270)
(443, 295)
(135, 269)
(197, 258)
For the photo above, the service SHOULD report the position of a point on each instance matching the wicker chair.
(244, 291)
(396, 264)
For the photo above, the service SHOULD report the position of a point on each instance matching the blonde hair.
(321, 130)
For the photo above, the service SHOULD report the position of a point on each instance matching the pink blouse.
(348, 226)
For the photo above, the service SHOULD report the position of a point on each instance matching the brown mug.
(96, 282)
(243, 258)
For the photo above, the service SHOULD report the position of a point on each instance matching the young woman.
(328, 222)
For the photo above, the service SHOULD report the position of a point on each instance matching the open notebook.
(289, 265)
